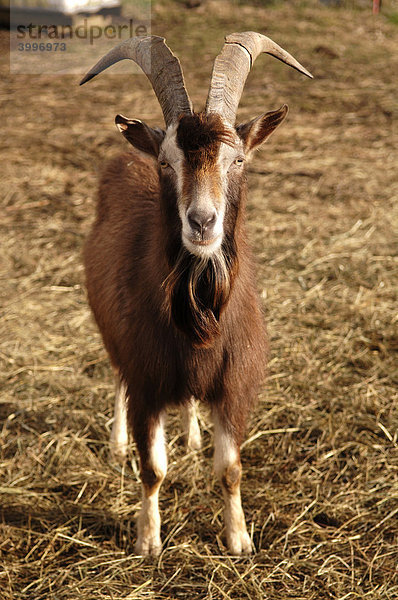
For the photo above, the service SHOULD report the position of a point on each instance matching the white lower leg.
(191, 425)
(228, 470)
(148, 525)
(119, 436)
(238, 540)
(152, 474)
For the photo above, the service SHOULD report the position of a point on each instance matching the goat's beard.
(197, 289)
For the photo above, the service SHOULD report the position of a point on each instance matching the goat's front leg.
(119, 436)
(149, 436)
(228, 470)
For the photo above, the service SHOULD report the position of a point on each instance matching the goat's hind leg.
(191, 425)
(149, 436)
(119, 436)
(228, 470)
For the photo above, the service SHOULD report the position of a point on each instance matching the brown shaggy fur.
(167, 340)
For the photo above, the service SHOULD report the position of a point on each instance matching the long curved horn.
(232, 67)
(159, 64)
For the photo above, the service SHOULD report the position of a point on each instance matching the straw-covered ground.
(320, 461)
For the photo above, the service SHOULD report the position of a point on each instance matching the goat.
(170, 275)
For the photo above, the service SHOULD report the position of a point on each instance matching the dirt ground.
(320, 485)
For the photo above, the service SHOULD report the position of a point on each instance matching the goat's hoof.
(239, 543)
(148, 547)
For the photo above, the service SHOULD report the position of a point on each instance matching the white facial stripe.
(228, 154)
(172, 153)
(203, 199)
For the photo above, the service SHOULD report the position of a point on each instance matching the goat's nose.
(201, 221)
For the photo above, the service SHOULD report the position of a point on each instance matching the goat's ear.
(141, 136)
(255, 132)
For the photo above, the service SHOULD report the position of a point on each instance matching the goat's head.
(199, 153)
(201, 161)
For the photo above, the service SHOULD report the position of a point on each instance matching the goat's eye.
(164, 164)
(239, 161)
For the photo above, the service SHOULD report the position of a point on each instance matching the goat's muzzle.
(202, 230)
(202, 225)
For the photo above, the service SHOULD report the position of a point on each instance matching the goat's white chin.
(205, 248)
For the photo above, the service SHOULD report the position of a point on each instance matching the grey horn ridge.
(159, 64)
(163, 69)
(233, 65)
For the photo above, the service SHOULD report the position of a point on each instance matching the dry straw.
(320, 460)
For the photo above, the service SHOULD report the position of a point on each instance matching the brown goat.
(170, 274)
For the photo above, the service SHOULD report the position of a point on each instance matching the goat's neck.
(198, 289)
